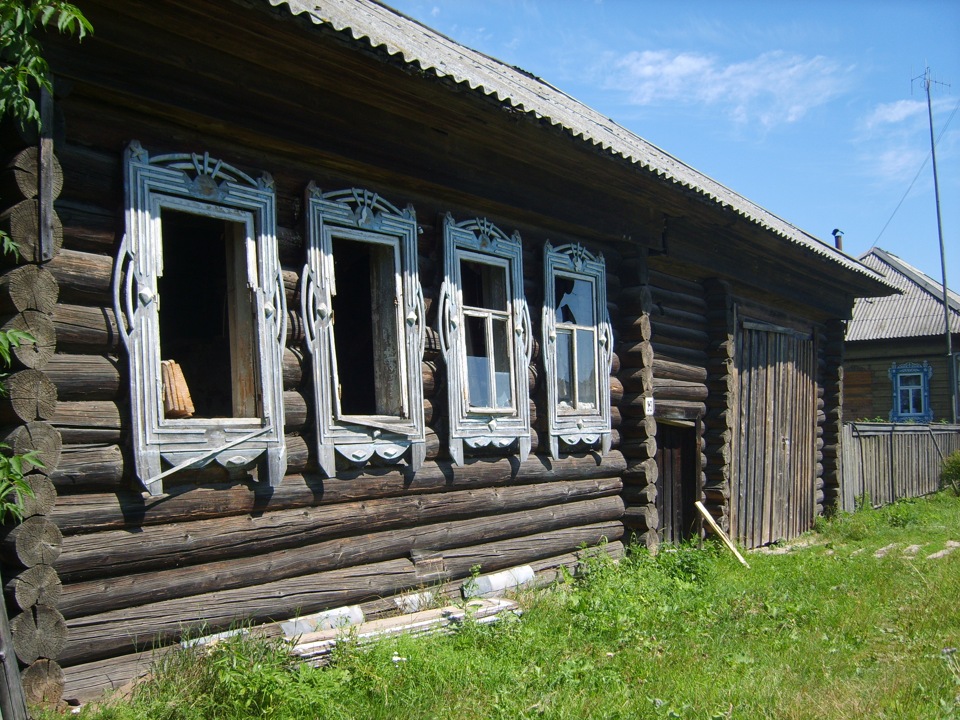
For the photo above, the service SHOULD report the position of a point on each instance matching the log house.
(429, 314)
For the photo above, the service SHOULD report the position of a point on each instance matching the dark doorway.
(677, 481)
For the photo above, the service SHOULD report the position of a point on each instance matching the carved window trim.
(570, 426)
(200, 185)
(363, 216)
(898, 373)
(480, 241)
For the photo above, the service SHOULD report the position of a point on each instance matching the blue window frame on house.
(911, 392)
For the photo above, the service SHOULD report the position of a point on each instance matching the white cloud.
(435, 11)
(894, 112)
(771, 89)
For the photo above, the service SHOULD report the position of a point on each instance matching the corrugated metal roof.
(428, 50)
(917, 312)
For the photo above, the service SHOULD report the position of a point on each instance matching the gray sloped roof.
(428, 50)
(917, 312)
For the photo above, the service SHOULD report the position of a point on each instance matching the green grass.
(823, 631)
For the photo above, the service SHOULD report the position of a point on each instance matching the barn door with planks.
(677, 487)
(775, 463)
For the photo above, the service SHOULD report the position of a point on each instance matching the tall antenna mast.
(951, 363)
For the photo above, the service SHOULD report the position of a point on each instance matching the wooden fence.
(888, 461)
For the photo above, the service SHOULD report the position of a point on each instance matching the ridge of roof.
(917, 276)
(419, 45)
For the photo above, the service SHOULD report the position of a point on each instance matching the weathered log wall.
(213, 551)
(30, 180)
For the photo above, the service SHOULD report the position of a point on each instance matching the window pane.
(565, 368)
(574, 301)
(912, 381)
(365, 328)
(478, 362)
(501, 363)
(483, 286)
(586, 370)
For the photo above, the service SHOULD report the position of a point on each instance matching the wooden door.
(775, 460)
(676, 482)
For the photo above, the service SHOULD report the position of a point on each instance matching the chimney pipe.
(838, 238)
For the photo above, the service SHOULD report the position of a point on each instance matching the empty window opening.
(487, 335)
(206, 312)
(366, 328)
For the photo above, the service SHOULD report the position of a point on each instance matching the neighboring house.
(347, 309)
(896, 350)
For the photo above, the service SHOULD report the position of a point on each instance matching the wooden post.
(13, 704)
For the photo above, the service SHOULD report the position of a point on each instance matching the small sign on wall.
(648, 406)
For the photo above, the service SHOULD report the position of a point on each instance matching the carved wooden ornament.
(578, 348)
(485, 337)
(199, 185)
(369, 405)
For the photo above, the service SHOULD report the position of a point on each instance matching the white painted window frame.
(204, 186)
(479, 240)
(588, 428)
(363, 216)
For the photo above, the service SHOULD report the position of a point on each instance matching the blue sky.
(804, 107)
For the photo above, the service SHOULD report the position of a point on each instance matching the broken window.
(199, 300)
(364, 315)
(577, 348)
(485, 338)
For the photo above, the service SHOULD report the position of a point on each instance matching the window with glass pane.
(577, 348)
(485, 337)
(911, 392)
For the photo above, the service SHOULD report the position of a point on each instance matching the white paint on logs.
(496, 583)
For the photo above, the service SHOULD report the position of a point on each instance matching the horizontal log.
(122, 631)
(89, 467)
(667, 316)
(113, 552)
(85, 329)
(675, 284)
(88, 227)
(27, 395)
(20, 177)
(690, 302)
(678, 390)
(43, 684)
(675, 353)
(35, 541)
(39, 632)
(22, 223)
(635, 354)
(598, 503)
(36, 353)
(667, 370)
(102, 377)
(679, 336)
(126, 508)
(39, 437)
(639, 494)
(85, 377)
(639, 448)
(89, 421)
(635, 327)
(639, 426)
(641, 472)
(84, 278)
(103, 467)
(28, 287)
(37, 585)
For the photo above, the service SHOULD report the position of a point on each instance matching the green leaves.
(13, 484)
(23, 69)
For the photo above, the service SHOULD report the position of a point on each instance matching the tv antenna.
(951, 361)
